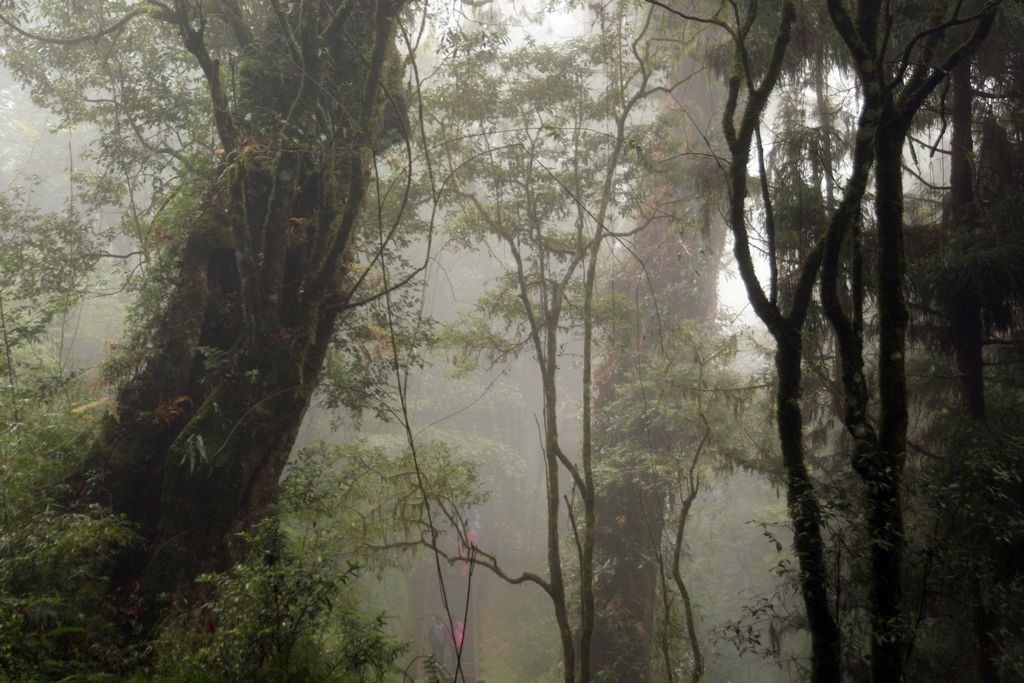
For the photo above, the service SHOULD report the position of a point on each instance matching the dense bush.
(287, 613)
(277, 617)
(57, 616)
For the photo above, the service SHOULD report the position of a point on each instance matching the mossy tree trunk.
(676, 284)
(785, 323)
(200, 435)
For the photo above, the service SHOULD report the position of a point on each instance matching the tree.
(45, 259)
(300, 98)
(784, 321)
(545, 169)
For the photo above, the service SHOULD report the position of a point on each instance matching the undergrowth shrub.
(58, 620)
(277, 617)
(288, 612)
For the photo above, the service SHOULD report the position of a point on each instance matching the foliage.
(44, 258)
(373, 497)
(179, 214)
(985, 263)
(55, 614)
(977, 498)
(57, 617)
(360, 372)
(279, 616)
(679, 394)
(287, 613)
(137, 90)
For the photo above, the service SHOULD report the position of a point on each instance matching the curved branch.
(490, 561)
(739, 145)
(78, 40)
(849, 333)
(692, 17)
(194, 41)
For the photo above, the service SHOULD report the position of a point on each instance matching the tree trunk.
(629, 525)
(675, 282)
(965, 318)
(804, 511)
(547, 354)
(787, 331)
(879, 458)
(885, 513)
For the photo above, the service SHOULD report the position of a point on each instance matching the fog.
(358, 340)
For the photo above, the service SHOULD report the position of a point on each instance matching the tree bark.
(884, 485)
(627, 593)
(804, 510)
